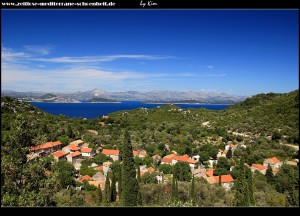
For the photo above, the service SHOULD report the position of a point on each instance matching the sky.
(239, 52)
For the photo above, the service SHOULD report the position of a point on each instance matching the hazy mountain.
(201, 97)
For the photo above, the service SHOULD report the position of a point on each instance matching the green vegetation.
(266, 124)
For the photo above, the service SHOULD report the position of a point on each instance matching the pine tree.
(193, 196)
(113, 188)
(130, 187)
(107, 191)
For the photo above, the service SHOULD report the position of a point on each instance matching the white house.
(274, 162)
(73, 156)
(262, 169)
(87, 152)
(114, 154)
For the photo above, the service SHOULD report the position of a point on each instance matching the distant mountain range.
(157, 96)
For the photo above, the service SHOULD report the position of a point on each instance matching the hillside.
(266, 125)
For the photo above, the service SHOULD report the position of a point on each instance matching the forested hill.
(267, 125)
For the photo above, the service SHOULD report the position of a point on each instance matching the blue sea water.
(94, 110)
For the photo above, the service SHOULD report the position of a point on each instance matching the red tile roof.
(73, 147)
(167, 160)
(76, 142)
(184, 158)
(151, 169)
(274, 160)
(86, 177)
(99, 168)
(224, 178)
(209, 173)
(170, 156)
(86, 150)
(59, 154)
(259, 166)
(45, 145)
(75, 154)
(110, 152)
(156, 157)
(135, 153)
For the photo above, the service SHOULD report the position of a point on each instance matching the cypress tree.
(138, 173)
(193, 196)
(250, 186)
(113, 189)
(120, 184)
(229, 153)
(99, 194)
(130, 187)
(269, 174)
(173, 192)
(107, 191)
(220, 180)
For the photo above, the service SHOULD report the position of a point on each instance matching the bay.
(94, 110)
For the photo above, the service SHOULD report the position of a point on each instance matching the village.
(77, 151)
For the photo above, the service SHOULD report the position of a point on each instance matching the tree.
(269, 174)
(99, 194)
(113, 188)
(193, 195)
(183, 171)
(107, 190)
(138, 173)
(229, 153)
(243, 186)
(130, 187)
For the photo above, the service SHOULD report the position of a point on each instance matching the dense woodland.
(268, 124)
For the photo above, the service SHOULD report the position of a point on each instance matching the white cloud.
(43, 50)
(90, 59)
(210, 66)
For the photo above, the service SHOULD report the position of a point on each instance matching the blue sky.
(240, 52)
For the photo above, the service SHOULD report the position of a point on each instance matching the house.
(85, 178)
(99, 176)
(262, 169)
(232, 146)
(58, 155)
(160, 177)
(196, 157)
(71, 148)
(78, 143)
(210, 172)
(114, 154)
(150, 169)
(47, 148)
(221, 153)
(211, 162)
(99, 183)
(185, 159)
(72, 157)
(93, 132)
(99, 168)
(140, 154)
(106, 167)
(166, 160)
(226, 181)
(101, 123)
(274, 162)
(156, 158)
(87, 152)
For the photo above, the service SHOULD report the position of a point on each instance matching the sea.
(95, 110)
